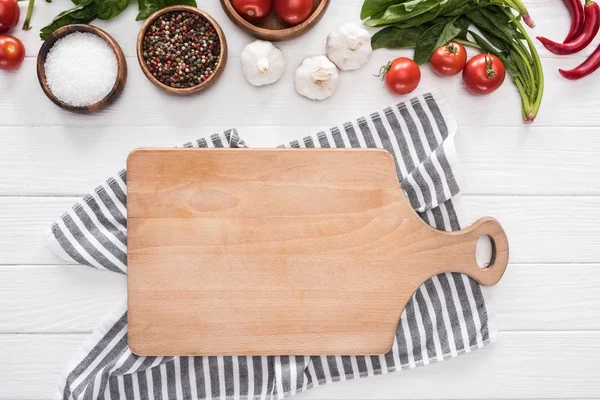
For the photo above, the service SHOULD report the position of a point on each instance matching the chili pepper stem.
(27, 23)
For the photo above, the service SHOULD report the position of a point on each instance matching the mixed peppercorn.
(181, 49)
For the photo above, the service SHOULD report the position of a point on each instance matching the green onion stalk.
(519, 7)
(534, 97)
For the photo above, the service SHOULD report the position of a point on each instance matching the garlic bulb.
(317, 78)
(262, 63)
(349, 46)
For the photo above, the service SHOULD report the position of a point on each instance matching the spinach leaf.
(110, 9)
(494, 27)
(374, 18)
(419, 19)
(409, 9)
(83, 13)
(452, 8)
(396, 38)
(434, 37)
(149, 7)
(372, 7)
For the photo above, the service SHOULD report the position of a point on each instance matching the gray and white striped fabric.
(446, 316)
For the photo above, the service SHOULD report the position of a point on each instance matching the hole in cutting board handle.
(485, 251)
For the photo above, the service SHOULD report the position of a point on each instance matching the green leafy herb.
(149, 7)
(372, 7)
(429, 24)
(396, 38)
(85, 11)
(109, 9)
(407, 10)
(434, 37)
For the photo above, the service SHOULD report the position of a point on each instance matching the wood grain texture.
(222, 63)
(280, 251)
(72, 160)
(73, 299)
(273, 29)
(538, 365)
(547, 172)
(121, 68)
(543, 229)
(279, 104)
(57, 298)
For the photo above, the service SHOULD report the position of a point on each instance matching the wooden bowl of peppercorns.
(182, 50)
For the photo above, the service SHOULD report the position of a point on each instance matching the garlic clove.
(349, 47)
(317, 78)
(262, 63)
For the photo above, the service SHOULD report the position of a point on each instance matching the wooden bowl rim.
(286, 33)
(66, 31)
(222, 56)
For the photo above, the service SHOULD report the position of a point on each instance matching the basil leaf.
(434, 37)
(407, 10)
(84, 13)
(110, 9)
(149, 7)
(396, 38)
(372, 7)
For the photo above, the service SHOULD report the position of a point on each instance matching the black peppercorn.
(181, 49)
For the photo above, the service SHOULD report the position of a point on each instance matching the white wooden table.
(541, 181)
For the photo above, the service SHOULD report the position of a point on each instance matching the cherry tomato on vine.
(483, 74)
(12, 52)
(253, 11)
(9, 15)
(401, 76)
(448, 60)
(293, 12)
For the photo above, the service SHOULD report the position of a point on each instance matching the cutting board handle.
(491, 274)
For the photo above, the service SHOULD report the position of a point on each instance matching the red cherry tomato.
(483, 74)
(9, 15)
(293, 12)
(253, 11)
(448, 60)
(12, 52)
(402, 75)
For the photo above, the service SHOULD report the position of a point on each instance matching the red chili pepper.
(577, 19)
(588, 66)
(590, 29)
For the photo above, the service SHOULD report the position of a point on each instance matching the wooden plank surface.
(73, 299)
(359, 92)
(56, 160)
(537, 364)
(546, 229)
(547, 171)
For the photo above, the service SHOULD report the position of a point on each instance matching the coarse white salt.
(81, 69)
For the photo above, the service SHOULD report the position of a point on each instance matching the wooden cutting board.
(272, 252)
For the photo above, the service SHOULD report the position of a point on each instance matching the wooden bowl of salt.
(81, 68)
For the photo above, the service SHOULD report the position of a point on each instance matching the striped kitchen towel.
(446, 316)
